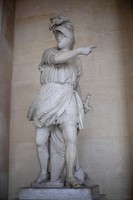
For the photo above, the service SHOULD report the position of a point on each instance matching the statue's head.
(63, 30)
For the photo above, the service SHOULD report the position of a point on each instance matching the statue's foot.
(41, 178)
(58, 183)
(73, 182)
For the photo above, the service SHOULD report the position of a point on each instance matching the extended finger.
(93, 47)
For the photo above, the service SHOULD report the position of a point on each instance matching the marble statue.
(57, 110)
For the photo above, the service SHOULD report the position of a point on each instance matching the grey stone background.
(105, 145)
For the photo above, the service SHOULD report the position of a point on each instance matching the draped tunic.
(57, 99)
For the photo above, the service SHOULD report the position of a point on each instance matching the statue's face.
(62, 41)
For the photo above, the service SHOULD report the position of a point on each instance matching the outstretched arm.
(64, 56)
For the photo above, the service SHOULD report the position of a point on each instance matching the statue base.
(55, 193)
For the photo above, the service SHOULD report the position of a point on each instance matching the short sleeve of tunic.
(48, 57)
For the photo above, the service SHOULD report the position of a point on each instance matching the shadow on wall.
(126, 15)
(128, 65)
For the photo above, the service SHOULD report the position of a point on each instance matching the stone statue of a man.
(57, 109)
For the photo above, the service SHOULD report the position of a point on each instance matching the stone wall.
(105, 145)
(6, 50)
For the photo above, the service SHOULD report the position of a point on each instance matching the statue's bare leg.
(70, 136)
(42, 136)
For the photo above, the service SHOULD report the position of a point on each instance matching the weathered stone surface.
(55, 193)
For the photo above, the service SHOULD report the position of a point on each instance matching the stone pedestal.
(55, 193)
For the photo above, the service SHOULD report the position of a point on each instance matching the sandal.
(73, 182)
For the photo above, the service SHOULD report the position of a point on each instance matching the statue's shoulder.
(50, 51)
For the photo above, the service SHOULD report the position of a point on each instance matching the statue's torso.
(60, 73)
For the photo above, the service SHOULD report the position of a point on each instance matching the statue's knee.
(71, 136)
(40, 142)
(71, 141)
